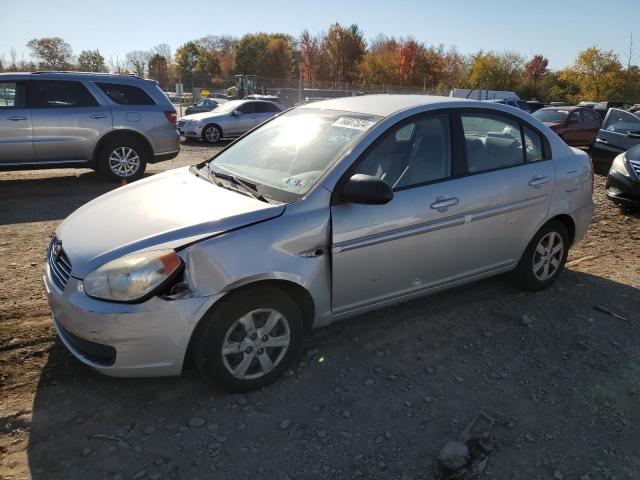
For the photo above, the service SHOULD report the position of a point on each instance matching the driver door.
(381, 252)
(620, 131)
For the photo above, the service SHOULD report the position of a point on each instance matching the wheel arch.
(568, 222)
(119, 133)
(297, 292)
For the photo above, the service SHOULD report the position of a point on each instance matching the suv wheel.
(544, 258)
(123, 159)
(212, 134)
(249, 340)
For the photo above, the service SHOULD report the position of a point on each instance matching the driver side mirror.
(366, 189)
(236, 113)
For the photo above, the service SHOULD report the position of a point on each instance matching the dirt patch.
(558, 370)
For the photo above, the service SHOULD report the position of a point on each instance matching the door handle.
(538, 181)
(16, 118)
(98, 115)
(601, 140)
(442, 203)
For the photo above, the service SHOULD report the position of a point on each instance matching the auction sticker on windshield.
(354, 123)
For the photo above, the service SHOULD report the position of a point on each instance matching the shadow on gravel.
(48, 198)
(377, 397)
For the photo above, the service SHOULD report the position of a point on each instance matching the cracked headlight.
(132, 277)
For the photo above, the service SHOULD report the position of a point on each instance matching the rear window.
(126, 94)
(551, 116)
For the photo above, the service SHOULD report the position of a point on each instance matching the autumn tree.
(92, 61)
(309, 57)
(137, 61)
(53, 53)
(592, 69)
(187, 57)
(345, 47)
(159, 70)
(535, 69)
(264, 54)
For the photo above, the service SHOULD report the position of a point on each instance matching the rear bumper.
(582, 219)
(161, 157)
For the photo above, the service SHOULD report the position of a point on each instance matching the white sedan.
(229, 120)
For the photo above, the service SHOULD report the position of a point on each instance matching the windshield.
(551, 116)
(229, 106)
(286, 156)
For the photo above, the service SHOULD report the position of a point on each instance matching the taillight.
(171, 116)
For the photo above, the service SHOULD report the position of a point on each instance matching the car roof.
(383, 105)
(72, 75)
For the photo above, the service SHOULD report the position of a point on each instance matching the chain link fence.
(187, 88)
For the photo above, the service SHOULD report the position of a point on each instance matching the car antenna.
(472, 89)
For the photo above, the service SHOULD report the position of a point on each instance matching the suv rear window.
(61, 94)
(126, 94)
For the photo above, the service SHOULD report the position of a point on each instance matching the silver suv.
(115, 124)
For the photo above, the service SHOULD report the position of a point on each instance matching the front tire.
(544, 258)
(249, 340)
(212, 134)
(123, 159)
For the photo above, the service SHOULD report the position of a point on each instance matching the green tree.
(53, 53)
(92, 61)
(187, 56)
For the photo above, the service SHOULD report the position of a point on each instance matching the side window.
(411, 154)
(61, 94)
(533, 145)
(574, 118)
(126, 94)
(621, 122)
(267, 108)
(12, 95)
(249, 107)
(492, 142)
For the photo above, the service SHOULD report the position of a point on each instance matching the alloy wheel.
(124, 162)
(256, 343)
(212, 134)
(547, 257)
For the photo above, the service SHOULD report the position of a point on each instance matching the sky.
(558, 29)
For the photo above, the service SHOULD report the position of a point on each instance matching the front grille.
(635, 166)
(59, 263)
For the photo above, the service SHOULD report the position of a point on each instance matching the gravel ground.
(373, 397)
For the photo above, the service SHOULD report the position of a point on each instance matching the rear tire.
(544, 258)
(249, 340)
(123, 158)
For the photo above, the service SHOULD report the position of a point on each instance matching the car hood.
(203, 115)
(167, 210)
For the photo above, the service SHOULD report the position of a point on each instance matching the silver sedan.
(228, 120)
(327, 211)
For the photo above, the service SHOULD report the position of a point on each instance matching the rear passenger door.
(67, 120)
(508, 188)
(248, 118)
(16, 133)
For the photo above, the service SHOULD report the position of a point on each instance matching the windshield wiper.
(248, 188)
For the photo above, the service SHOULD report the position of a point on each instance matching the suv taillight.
(171, 116)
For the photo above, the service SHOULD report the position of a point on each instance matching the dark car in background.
(620, 131)
(623, 181)
(577, 126)
(535, 105)
(204, 105)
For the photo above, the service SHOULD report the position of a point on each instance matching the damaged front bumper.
(127, 340)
